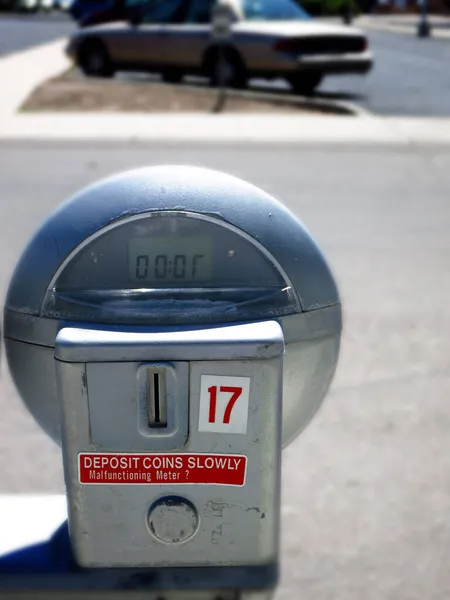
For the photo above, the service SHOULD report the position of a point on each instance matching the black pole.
(424, 28)
(347, 16)
(222, 80)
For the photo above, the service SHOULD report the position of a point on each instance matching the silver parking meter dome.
(172, 327)
(169, 246)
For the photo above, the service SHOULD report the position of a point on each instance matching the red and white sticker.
(224, 404)
(204, 469)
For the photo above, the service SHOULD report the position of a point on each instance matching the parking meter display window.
(158, 268)
(153, 260)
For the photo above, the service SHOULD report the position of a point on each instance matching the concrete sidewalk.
(225, 128)
(18, 523)
(21, 72)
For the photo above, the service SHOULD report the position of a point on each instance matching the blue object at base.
(52, 556)
(51, 566)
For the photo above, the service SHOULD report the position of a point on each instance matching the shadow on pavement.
(273, 87)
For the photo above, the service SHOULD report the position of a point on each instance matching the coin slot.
(157, 397)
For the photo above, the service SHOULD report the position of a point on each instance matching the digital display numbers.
(170, 259)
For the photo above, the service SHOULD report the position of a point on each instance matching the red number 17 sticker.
(224, 404)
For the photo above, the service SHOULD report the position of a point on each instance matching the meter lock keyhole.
(157, 397)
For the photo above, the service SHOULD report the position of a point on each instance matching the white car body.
(296, 48)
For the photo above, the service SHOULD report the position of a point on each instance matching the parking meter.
(222, 20)
(172, 328)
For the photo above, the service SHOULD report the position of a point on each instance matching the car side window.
(163, 11)
(201, 11)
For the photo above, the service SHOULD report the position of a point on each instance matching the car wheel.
(172, 76)
(305, 83)
(234, 71)
(94, 60)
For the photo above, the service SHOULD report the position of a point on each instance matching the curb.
(309, 103)
(226, 129)
(335, 107)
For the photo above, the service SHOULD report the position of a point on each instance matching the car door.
(184, 39)
(138, 43)
(148, 34)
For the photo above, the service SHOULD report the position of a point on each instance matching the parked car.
(270, 39)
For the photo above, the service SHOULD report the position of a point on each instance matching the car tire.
(94, 60)
(305, 83)
(236, 73)
(172, 76)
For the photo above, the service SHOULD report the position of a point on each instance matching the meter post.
(423, 27)
(171, 328)
(222, 83)
(222, 18)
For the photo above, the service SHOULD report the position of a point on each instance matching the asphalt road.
(366, 488)
(20, 32)
(409, 78)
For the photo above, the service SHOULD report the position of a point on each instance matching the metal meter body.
(223, 17)
(172, 327)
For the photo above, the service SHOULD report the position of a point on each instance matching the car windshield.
(273, 10)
